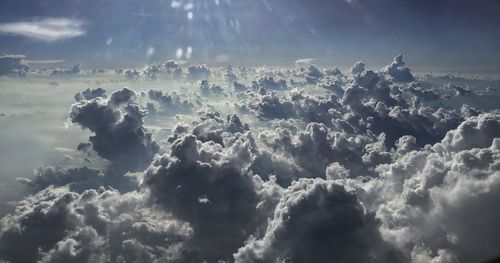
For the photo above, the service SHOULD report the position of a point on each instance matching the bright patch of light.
(178, 53)
(175, 4)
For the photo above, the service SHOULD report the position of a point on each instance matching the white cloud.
(48, 29)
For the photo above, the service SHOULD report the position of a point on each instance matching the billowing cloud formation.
(210, 187)
(372, 166)
(168, 103)
(437, 202)
(57, 225)
(197, 72)
(317, 221)
(48, 29)
(358, 67)
(397, 70)
(117, 123)
(13, 64)
(89, 94)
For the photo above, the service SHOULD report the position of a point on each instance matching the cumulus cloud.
(207, 90)
(313, 75)
(210, 187)
(57, 225)
(197, 72)
(358, 67)
(117, 124)
(48, 29)
(269, 83)
(78, 179)
(75, 69)
(13, 64)
(269, 106)
(371, 166)
(169, 103)
(89, 94)
(397, 70)
(320, 221)
(432, 198)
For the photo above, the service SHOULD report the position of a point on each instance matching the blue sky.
(126, 32)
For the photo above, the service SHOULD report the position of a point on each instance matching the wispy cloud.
(49, 29)
(45, 61)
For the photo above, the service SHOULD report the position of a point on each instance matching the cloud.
(317, 166)
(78, 179)
(206, 90)
(211, 188)
(117, 124)
(358, 67)
(89, 94)
(213, 128)
(57, 225)
(13, 64)
(198, 72)
(313, 75)
(48, 29)
(168, 103)
(397, 70)
(429, 200)
(304, 62)
(319, 221)
(269, 83)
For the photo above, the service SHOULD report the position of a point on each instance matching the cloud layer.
(285, 165)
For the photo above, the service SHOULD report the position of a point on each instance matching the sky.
(434, 33)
